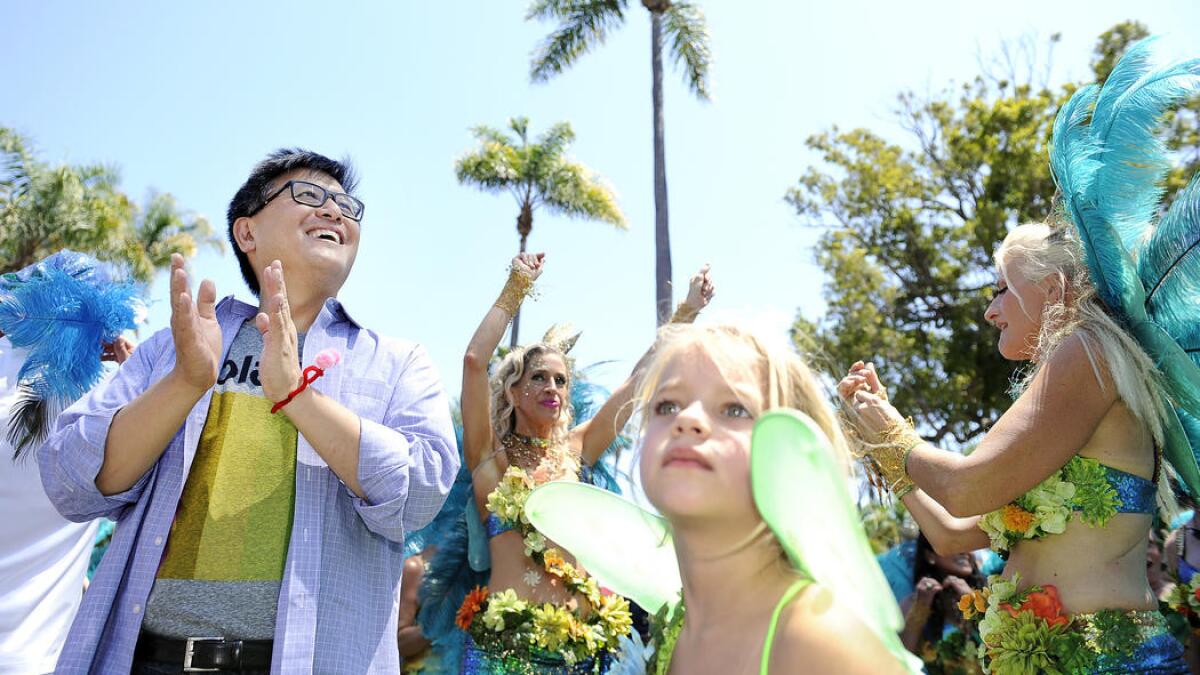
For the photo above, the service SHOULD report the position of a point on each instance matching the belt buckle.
(189, 649)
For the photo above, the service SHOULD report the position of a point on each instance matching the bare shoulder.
(817, 635)
(1078, 364)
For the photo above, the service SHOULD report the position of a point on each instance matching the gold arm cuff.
(886, 460)
(516, 288)
(684, 313)
(891, 455)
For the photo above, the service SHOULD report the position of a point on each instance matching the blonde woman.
(1064, 484)
(1103, 304)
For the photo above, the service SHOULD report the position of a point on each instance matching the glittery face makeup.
(543, 389)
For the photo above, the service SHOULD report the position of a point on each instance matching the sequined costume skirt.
(1024, 630)
(1151, 649)
(479, 661)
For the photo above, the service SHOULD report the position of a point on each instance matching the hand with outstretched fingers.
(194, 329)
(279, 364)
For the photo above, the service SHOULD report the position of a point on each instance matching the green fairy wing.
(804, 497)
(625, 547)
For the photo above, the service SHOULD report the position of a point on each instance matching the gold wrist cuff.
(887, 459)
(684, 313)
(516, 288)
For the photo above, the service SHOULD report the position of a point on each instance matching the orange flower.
(1044, 604)
(981, 598)
(1016, 519)
(470, 606)
(552, 557)
(966, 605)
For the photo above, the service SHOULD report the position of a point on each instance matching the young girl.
(701, 396)
(759, 560)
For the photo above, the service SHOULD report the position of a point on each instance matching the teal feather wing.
(1073, 151)
(1126, 123)
(1169, 268)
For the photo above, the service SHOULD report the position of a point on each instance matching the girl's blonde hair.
(1039, 252)
(786, 380)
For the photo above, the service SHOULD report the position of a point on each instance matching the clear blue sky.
(186, 97)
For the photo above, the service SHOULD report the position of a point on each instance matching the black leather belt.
(205, 655)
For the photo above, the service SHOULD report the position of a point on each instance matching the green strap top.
(667, 649)
(790, 593)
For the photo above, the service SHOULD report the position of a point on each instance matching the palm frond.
(493, 166)
(583, 24)
(572, 190)
(687, 32)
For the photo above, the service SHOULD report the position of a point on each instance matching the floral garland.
(1026, 631)
(1184, 600)
(1046, 509)
(502, 621)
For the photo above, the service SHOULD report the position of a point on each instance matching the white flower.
(533, 578)
(534, 542)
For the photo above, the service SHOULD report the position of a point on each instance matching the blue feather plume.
(1126, 123)
(63, 322)
(1169, 268)
(62, 310)
(1075, 164)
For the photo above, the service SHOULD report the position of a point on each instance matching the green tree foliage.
(537, 174)
(910, 234)
(45, 208)
(582, 24)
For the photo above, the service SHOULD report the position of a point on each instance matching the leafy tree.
(911, 231)
(536, 174)
(45, 208)
(582, 24)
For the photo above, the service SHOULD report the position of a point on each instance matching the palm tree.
(584, 23)
(536, 174)
(45, 208)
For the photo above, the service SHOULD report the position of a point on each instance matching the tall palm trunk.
(662, 238)
(524, 227)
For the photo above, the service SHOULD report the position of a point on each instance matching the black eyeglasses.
(311, 194)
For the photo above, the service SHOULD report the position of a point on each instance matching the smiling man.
(249, 540)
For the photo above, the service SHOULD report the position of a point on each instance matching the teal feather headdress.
(62, 310)
(1109, 163)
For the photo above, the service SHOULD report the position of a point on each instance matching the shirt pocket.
(366, 397)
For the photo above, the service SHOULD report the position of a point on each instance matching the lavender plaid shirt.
(338, 600)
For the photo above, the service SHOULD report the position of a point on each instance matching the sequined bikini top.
(1096, 491)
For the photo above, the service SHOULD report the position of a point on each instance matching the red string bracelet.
(326, 358)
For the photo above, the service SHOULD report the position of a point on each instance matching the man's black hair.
(254, 192)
